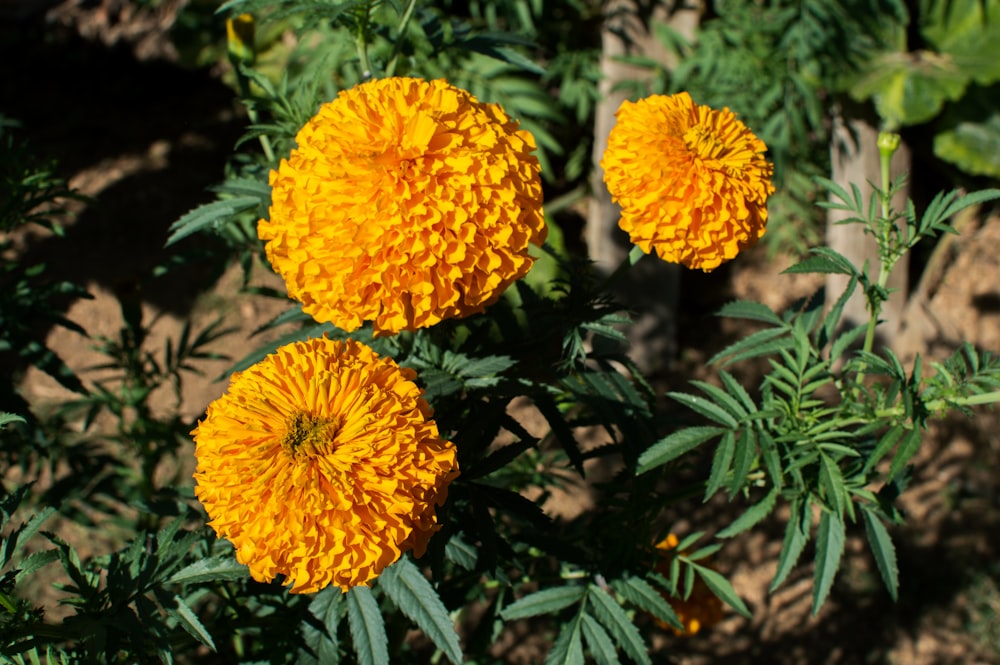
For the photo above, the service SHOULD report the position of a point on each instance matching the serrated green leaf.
(190, 622)
(641, 594)
(416, 598)
(29, 564)
(367, 627)
(796, 535)
(546, 601)
(461, 552)
(831, 480)
(598, 641)
(704, 407)
(825, 261)
(722, 462)
(568, 647)
(673, 446)
(216, 568)
(8, 418)
(761, 343)
(747, 309)
(907, 449)
(736, 388)
(883, 550)
(209, 214)
(743, 460)
(615, 619)
(721, 587)
(327, 608)
(752, 516)
(829, 549)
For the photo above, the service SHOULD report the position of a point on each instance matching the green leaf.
(217, 568)
(546, 601)
(641, 594)
(747, 309)
(745, 456)
(461, 552)
(824, 260)
(673, 446)
(910, 88)
(796, 536)
(705, 407)
(208, 215)
(829, 549)
(761, 343)
(722, 462)
(416, 598)
(752, 516)
(8, 418)
(882, 550)
(721, 587)
(568, 647)
(327, 607)
(598, 641)
(970, 134)
(190, 622)
(906, 451)
(615, 619)
(367, 627)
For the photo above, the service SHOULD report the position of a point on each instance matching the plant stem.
(390, 70)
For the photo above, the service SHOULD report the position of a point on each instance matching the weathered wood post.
(652, 289)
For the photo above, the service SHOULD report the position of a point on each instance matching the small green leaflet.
(546, 601)
(829, 549)
(216, 568)
(367, 627)
(416, 598)
(613, 617)
(721, 587)
(673, 446)
(882, 550)
(189, 621)
(598, 642)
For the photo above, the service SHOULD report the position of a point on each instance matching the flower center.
(307, 435)
(704, 142)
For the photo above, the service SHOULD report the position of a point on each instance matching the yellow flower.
(702, 609)
(406, 202)
(692, 182)
(321, 463)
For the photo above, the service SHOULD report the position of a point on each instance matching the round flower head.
(692, 182)
(406, 202)
(321, 463)
(701, 609)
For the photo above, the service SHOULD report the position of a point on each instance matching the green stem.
(244, 83)
(400, 31)
(887, 144)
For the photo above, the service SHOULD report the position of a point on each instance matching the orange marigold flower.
(692, 182)
(701, 609)
(406, 202)
(321, 463)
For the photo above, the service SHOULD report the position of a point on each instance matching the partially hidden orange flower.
(692, 182)
(406, 202)
(321, 463)
(701, 609)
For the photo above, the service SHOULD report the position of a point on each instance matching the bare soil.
(145, 139)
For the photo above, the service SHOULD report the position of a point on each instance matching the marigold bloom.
(321, 463)
(692, 182)
(702, 609)
(406, 202)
